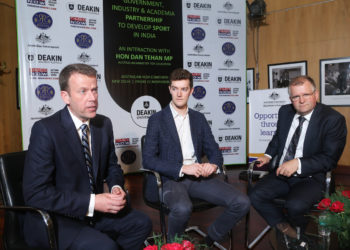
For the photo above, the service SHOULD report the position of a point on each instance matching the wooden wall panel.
(297, 30)
(10, 126)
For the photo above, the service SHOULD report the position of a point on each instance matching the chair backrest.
(11, 173)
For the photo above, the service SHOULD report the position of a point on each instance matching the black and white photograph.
(281, 74)
(335, 81)
(250, 81)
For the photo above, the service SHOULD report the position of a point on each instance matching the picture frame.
(280, 74)
(335, 81)
(249, 81)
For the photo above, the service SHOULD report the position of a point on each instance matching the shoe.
(277, 240)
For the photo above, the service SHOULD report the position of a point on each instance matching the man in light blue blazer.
(177, 137)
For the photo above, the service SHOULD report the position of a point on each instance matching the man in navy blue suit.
(177, 137)
(67, 180)
(300, 177)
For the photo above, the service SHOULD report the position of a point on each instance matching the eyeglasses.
(297, 97)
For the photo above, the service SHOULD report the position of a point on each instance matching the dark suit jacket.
(162, 149)
(55, 175)
(324, 140)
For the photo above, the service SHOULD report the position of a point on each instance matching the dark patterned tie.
(290, 154)
(87, 154)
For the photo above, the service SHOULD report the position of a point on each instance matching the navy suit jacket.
(162, 149)
(55, 175)
(324, 140)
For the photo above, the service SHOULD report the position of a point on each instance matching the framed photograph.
(335, 81)
(250, 81)
(281, 74)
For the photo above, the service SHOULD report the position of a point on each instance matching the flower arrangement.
(180, 243)
(336, 216)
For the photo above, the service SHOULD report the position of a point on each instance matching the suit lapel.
(170, 126)
(311, 130)
(72, 137)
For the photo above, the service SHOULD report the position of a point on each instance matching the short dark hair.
(181, 74)
(300, 80)
(70, 69)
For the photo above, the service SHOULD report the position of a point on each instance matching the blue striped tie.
(87, 154)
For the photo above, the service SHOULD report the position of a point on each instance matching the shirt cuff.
(181, 174)
(116, 186)
(299, 166)
(90, 212)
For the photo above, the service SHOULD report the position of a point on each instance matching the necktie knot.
(301, 119)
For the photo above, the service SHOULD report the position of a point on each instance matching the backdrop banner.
(134, 45)
(263, 115)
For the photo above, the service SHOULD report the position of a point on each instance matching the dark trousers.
(125, 230)
(214, 190)
(300, 195)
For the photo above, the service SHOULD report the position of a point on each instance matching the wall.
(10, 125)
(298, 30)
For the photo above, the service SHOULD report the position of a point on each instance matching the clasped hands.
(199, 169)
(111, 202)
(287, 169)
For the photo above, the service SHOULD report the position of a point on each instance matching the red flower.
(187, 245)
(324, 204)
(337, 207)
(151, 248)
(172, 246)
(346, 193)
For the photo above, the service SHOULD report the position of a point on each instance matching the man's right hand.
(193, 169)
(109, 203)
(262, 161)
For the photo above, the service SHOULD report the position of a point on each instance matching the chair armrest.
(328, 183)
(45, 217)
(159, 183)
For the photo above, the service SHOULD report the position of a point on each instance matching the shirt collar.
(174, 112)
(307, 117)
(77, 122)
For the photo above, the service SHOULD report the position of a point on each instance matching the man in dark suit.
(301, 172)
(67, 178)
(177, 137)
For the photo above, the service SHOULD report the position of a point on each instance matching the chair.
(11, 173)
(252, 175)
(198, 204)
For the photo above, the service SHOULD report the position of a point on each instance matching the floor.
(134, 186)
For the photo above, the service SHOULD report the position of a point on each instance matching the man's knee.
(182, 210)
(240, 203)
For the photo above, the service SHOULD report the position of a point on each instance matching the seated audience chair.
(198, 204)
(11, 173)
(253, 175)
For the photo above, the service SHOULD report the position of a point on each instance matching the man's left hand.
(288, 168)
(208, 169)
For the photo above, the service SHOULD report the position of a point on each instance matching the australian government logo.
(84, 57)
(45, 92)
(43, 41)
(198, 50)
(83, 40)
(42, 20)
(228, 107)
(228, 49)
(199, 92)
(198, 34)
(45, 110)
